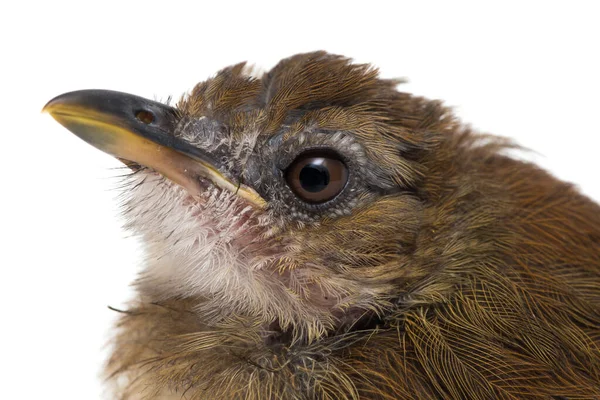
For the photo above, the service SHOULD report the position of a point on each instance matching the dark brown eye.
(317, 177)
(145, 116)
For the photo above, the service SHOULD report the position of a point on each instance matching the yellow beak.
(135, 129)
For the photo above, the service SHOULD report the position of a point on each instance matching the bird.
(313, 232)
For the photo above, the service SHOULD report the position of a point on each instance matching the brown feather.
(483, 270)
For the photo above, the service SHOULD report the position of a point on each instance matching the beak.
(138, 130)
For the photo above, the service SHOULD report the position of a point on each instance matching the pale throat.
(219, 248)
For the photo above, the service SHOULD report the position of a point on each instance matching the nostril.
(145, 116)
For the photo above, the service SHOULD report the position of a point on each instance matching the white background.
(528, 71)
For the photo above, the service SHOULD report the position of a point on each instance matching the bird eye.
(145, 116)
(316, 177)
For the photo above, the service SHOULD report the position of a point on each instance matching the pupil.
(314, 178)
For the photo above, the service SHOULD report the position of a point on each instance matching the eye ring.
(317, 176)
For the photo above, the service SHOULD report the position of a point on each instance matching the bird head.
(291, 218)
(294, 200)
